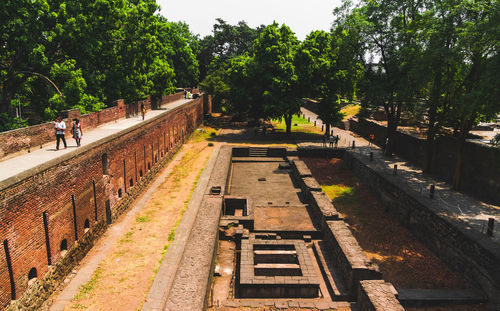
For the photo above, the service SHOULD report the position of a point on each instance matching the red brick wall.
(34, 136)
(22, 204)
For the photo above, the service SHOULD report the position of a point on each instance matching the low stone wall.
(191, 285)
(470, 253)
(350, 259)
(300, 169)
(322, 209)
(378, 295)
(481, 163)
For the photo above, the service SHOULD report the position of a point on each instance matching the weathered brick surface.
(351, 261)
(52, 188)
(378, 295)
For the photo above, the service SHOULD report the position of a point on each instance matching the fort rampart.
(51, 215)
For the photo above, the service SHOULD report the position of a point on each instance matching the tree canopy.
(93, 52)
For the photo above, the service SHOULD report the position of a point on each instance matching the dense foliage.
(61, 54)
(437, 61)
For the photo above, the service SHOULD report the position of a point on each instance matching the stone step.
(431, 297)
(274, 252)
(277, 269)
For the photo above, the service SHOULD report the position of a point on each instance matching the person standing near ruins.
(76, 130)
(143, 111)
(60, 127)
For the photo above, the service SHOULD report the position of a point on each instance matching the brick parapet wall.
(468, 252)
(52, 188)
(481, 163)
(20, 140)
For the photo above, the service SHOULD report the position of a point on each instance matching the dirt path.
(121, 268)
(403, 260)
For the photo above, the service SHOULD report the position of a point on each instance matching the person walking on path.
(143, 111)
(60, 127)
(76, 130)
(331, 141)
(324, 141)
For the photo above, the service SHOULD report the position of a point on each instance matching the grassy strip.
(299, 124)
(350, 110)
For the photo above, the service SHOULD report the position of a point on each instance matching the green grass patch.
(126, 238)
(340, 194)
(78, 306)
(350, 110)
(87, 288)
(202, 134)
(171, 235)
(143, 219)
(299, 124)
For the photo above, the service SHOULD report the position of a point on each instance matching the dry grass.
(124, 277)
(403, 259)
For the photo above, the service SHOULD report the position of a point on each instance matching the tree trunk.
(391, 134)
(327, 128)
(431, 132)
(429, 146)
(464, 131)
(458, 165)
(288, 122)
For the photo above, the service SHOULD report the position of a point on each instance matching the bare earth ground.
(403, 260)
(123, 278)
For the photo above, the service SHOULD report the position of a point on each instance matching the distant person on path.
(331, 141)
(143, 111)
(337, 141)
(76, 130)
(324, 141)
(60, 127)
(185, 94)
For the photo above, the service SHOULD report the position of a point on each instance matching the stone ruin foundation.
(282, 243)
(259, 232)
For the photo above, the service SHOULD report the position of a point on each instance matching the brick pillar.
(70, 114)
(207, 103)
(122, 111)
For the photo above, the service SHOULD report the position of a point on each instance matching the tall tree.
(93, 52)
(227, 41)
(329, 67)
(389, 29)
(475, 94)
(277, 80)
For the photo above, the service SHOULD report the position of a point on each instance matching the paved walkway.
(470, 210)
(16, 165)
